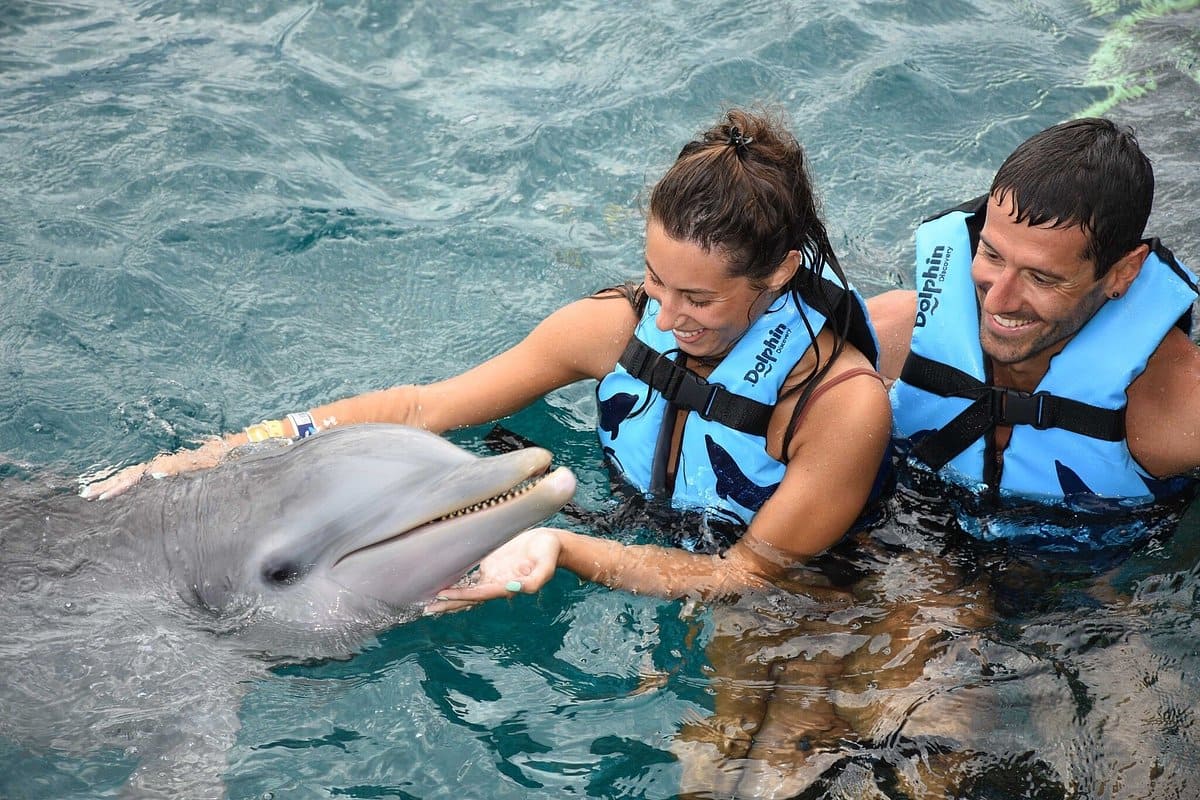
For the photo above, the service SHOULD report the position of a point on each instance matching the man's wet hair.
(1089, 173)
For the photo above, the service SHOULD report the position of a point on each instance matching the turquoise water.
(211, 212)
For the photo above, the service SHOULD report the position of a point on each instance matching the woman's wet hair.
(742, 189)
(1089, 173)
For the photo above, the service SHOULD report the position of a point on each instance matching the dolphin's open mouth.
(393, 513)
(524, 487)
(518, 490)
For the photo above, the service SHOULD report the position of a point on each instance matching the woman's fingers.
(460, 597)
(524, 564)
(114, 484)
(207, 455)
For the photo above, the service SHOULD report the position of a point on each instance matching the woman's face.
(702, 305)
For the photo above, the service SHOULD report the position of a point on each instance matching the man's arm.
(893, 314)
(1162, 420)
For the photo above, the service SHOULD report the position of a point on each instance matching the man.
(1044, 384)
(1044, 356)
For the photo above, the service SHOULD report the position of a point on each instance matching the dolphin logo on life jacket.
(615, 410)
(732, 483)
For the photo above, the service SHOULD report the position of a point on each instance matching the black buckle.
(636, 357)
(696, 394)
(1011, 407)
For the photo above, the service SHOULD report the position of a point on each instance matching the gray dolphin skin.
(354, 522)
(132, 625)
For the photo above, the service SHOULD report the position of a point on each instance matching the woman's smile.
(704, 307)
(687, 336)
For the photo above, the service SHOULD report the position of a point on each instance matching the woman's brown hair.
(742, 188)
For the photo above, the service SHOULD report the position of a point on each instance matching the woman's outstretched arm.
(581, 340)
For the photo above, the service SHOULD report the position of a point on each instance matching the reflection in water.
(954, 668)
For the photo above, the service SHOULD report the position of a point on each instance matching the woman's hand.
(523, 564)
(207, 455)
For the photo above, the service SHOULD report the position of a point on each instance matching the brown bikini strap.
(829, 384)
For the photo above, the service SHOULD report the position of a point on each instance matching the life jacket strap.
(1184, 323)
(685, 389)
(994, 406)
(822, 293)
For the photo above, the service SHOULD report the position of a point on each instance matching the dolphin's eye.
(284, 574)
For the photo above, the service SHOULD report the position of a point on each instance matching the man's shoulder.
(1173, 367)
(893, 314)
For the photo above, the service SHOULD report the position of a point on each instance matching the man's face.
(1036, 287)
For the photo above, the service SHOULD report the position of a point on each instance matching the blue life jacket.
(1067, 446)
(723, 467)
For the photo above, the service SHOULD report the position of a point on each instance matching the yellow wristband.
(267, 429)
(275, 429)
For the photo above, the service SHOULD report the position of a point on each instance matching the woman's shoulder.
(825, 361)
(620, 304)
(634, 293)
(591, 332)
(849, 392)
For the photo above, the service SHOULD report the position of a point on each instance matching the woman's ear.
(784, 273)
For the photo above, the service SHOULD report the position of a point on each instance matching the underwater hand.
(207, 455)
(523, 564)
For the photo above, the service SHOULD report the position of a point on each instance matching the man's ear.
(1123, 273)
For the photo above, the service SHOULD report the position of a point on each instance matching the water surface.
(214, 212)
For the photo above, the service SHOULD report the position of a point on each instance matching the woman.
(741, 289)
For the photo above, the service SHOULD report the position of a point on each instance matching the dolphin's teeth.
(516, 491)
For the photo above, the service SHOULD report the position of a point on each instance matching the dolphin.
(132, 625)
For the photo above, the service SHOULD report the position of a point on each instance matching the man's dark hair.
(1087, 172)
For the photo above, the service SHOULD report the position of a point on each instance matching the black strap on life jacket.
(1184, 323)
(839, 301)
(683, 388)
(994, 405)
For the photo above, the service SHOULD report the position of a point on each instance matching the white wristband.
(304, 424)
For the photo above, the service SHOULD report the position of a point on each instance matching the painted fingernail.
(513, 586)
